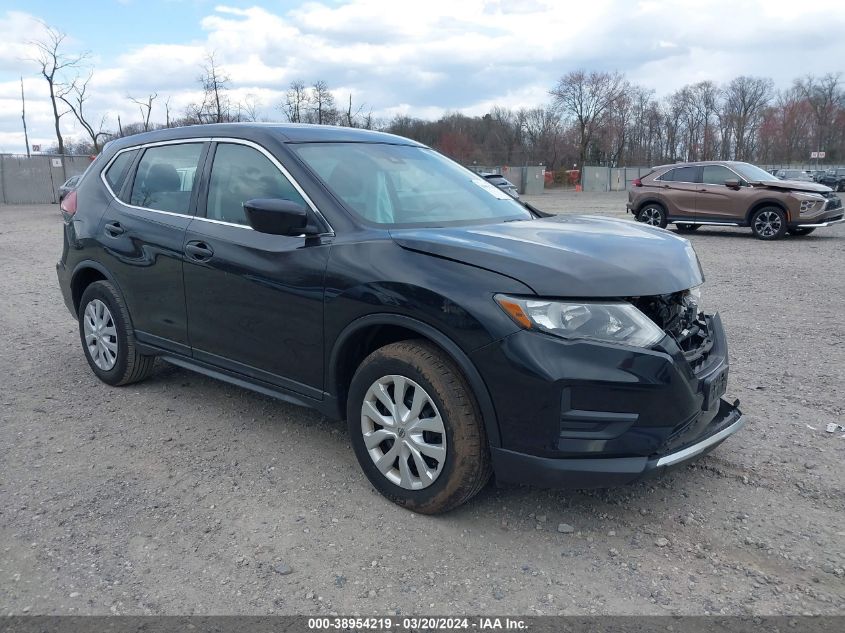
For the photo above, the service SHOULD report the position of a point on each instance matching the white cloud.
(427, 58)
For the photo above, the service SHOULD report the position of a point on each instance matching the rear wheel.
(653, 214)
(416, 429)
(841, 186)
(687, 228)
(800, 230)
(768, 223)
(107, 337)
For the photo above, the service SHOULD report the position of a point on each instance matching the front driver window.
(717, 175)
(241, 173)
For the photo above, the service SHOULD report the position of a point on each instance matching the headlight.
(810, 202)
(692, 299)
(617, 322)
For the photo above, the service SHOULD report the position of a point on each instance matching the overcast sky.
(399, 56)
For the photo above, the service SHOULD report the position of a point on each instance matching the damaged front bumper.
(519, 468)
(594, 415)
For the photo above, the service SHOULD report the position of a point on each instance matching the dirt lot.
(184, 495)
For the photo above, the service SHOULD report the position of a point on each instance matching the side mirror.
(732, 184)
(277, 216)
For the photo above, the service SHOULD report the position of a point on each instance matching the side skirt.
(327, 406)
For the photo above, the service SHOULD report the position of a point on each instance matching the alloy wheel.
(651, 216)
(767, 224)
(100, 334)
(403, 432)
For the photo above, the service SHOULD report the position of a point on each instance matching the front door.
(254, 300)
(718, 203)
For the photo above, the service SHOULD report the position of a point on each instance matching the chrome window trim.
(215, 139)
(684, 182)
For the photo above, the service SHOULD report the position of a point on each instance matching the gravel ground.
(184, 495)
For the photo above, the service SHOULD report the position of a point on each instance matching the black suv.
(834, 178)
(362, 274)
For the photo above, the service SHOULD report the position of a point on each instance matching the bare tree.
(52, 62)
(585, 97)
(825, 96)
(746, 99)
(215, 84)
(74, 96)
(322, 104)
(145, 107)
(167, 112)
(350, 117)
(249, 108)
(296, 102)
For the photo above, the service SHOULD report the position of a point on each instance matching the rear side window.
(681, 174)
(241, 173)
(165, 177)
(116, 172)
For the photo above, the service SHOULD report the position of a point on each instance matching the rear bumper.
(520, 468)
(64, 284)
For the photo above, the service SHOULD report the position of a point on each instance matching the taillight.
(637, 182)
(68, 205)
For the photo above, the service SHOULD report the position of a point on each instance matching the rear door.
(679, 188)
(142, 234)
(718, 203)
(255, 301)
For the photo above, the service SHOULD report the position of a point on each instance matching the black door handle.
(114, 229)
(199, 251)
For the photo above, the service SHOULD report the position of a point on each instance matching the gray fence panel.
(595, 178)
(36, 179)
(530, 180)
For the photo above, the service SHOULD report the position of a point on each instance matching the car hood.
(569, 256)
(794, 185)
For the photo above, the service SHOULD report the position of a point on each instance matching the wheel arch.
(651, 200)
(368, 333)
(766, 202)
(84, 274)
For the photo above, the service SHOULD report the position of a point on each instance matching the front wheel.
(416, 429)
(768, 223)
(800, 230)
(653, 215)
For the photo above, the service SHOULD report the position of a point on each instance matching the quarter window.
(241, 173)
(717, 175)
(116, 173)
(165, 177)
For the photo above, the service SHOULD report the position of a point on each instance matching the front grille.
(681, 319)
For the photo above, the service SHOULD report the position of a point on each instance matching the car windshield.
(401, 185)
(753, 173)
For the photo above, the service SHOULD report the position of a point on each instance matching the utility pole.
(23, 118)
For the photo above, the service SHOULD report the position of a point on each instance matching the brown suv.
(728, 193)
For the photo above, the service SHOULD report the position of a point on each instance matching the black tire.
(768, 223)
(686, 228)
(800, 230)
(466, 467)
(129, 365)
(840, 186)
(652, 214)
